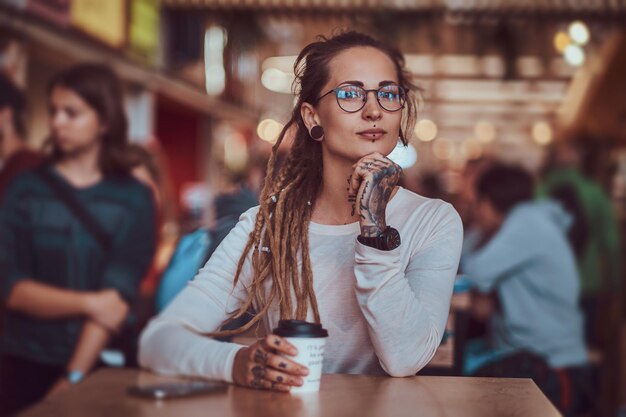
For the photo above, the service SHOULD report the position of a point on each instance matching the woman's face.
(75, 125)
(351, 136)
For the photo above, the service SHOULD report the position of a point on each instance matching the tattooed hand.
(259, 365)
(373, 181)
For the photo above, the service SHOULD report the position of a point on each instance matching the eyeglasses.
(352, 98)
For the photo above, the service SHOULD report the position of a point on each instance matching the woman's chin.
(381, 146)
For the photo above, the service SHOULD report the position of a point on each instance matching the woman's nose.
(57, 119)
(371, 110)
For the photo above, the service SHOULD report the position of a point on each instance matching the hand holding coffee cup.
(266, 365)
(310, 340)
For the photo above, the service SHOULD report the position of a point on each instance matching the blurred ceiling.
(488, 6)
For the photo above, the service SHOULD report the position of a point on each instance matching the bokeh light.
(485, 132)
(578, 32)
(574, 55)
(542, 133)
(472, 148)
(405, 156)
(442, 148)
(276, 80)
(426, 130)
(269, 130)
(561, 41)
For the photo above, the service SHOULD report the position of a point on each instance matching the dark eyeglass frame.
(367, 93)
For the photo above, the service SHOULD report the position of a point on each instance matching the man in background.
(524, 259)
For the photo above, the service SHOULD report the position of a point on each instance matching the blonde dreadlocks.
(281, 231)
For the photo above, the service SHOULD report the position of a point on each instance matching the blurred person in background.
(15, 156)
(465, 202)
(334, 241)
(195, 248)
(594, 235)
(76, 237)
(231, 204)
(151, 168)
(524, 258)
(428, 184)
(145, 168)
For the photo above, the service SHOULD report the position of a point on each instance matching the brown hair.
(13, 98)
(281, 229)
(101, 89)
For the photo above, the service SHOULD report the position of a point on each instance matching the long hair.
(13, 98)
(101, 89)
(281, 230)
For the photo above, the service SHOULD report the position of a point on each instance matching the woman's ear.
(309, 116)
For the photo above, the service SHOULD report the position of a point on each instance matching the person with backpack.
(194, 249)
(76, 237)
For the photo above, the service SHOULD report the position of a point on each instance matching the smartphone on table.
(160, 391)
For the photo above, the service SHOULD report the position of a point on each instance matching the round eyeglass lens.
(351, 98)
(391, 97)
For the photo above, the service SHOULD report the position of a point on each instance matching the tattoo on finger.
(256, 383)
(258, 373)
(261, 356)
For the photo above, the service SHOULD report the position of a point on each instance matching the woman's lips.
(372, 134)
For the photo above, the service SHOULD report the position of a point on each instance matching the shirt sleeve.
(509, 249)
(406, 310)
(133, 248)
(173, 343)
(15, 240)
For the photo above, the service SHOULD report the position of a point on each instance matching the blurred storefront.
(43, 37)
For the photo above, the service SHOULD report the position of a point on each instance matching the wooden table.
(104, 395)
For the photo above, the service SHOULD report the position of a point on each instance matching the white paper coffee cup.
(310, 340)
(311, 355)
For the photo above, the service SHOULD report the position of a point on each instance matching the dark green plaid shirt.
(40, 239)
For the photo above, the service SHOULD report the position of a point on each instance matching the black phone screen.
(176, 389)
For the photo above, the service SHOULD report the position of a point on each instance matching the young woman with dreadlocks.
(333, 240)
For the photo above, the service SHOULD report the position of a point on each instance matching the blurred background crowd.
(522, 127)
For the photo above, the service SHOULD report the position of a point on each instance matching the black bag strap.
(87, 220)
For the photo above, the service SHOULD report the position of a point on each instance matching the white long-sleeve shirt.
(385, 311)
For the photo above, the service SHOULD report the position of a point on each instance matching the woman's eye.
(349, 94)
(389, 95)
